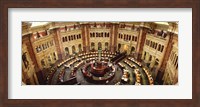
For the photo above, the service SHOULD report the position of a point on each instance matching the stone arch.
(106, 46)
(66, 51)
(79, 48)
(99, 45)
(132, 49)
(73, 49)
(92, 46)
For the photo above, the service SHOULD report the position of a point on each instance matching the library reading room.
(99, 53)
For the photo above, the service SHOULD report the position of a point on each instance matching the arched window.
(132, 50)
(162, 48)
(72, 37)
(69, 38)
(156, 46)
(91, 35)
(79, 48)
(145, 54)
(67, 51)
(106, 46)
(75, 37)
(150, 58)
(65, 38)
(97, 35)
(129, 37)
(79, 36)
(159, 47)
(150, 43)
(99, 46)
(108, 34)
(136, 39)
(73, 49)
(92, 46)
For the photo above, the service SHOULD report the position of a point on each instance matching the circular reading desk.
(98, 72)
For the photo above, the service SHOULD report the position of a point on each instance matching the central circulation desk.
(98, 73)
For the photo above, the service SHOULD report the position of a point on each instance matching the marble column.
(84, 38)
(58, 43)
(111, 38)
(166, 52)
(88, 38)
(140, 43)
(115, 36)
(33, 67)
